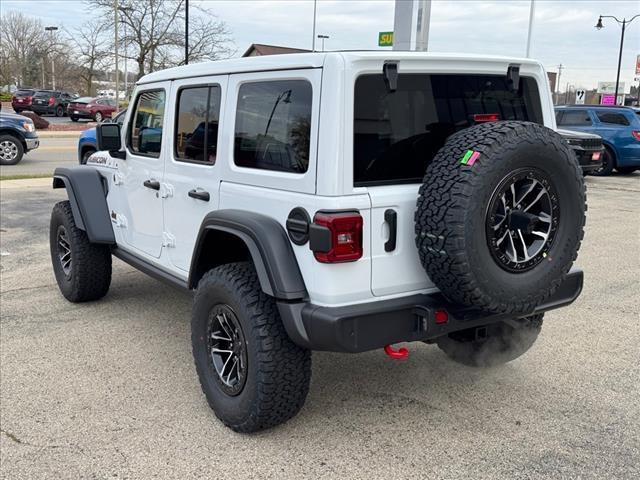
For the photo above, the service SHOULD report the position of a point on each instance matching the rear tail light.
(636, 134)
(52, 100)
(336, 237)
(486, 117)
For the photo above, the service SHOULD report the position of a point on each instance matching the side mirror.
(108, 137)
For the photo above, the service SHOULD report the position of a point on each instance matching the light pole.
(115, 28)
(126, 59)
(186, 32)
(323, 38)
(53, 64)
(624, 24)
(313, 33)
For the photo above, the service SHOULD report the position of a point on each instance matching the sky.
(563, 31)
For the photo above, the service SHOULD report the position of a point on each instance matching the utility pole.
(560, 67)
(186, 32)
(115, 25)
(532, 13)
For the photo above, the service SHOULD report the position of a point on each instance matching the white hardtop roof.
(292, 61)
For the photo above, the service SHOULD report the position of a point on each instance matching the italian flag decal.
(469, 157)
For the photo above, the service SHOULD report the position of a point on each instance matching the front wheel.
(626, 170)
(608, 164)
(86, 155)
(252, 374)
(73, 118)
(11, 150)
(82, 269)
(493, 344)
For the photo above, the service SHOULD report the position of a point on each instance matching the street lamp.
(53, 65)
(624, 24)
(323, 38)
(125, 10)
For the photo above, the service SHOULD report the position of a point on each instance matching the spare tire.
(500, 216)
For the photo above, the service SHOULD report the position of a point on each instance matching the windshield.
(83, 100)
(396, 134)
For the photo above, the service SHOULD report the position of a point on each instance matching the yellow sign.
(385, 39)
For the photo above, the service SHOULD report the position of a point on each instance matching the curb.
(59, 133)
(26, 183)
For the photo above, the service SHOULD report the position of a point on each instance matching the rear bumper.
(358, 328)
(42, 109)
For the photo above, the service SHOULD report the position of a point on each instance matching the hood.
(577, 135)
(14, 116)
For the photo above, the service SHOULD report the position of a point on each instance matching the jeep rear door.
(396, 135)
(192, 170)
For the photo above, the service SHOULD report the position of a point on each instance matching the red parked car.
(97, 108)
(22, 99)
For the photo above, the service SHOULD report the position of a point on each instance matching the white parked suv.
(332, 201)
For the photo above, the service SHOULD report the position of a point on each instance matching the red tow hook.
(400, 354)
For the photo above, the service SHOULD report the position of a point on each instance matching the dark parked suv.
(51, 102)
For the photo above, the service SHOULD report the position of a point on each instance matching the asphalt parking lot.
(61, 151)
(108, 389)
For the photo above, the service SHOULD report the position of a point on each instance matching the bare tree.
(155, 29)
(23, 45)
(93, 48)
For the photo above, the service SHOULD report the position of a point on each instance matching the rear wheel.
(493, 344)
(11, 150)
(608, 164)
(253, 375)
(59, 111)
(74, 118)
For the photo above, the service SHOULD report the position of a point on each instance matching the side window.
(273, 125)
(198, 116)
(575, 117)
(145, 128)
(613, 118)
(558, 117)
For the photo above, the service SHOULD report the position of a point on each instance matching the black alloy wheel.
(64, 251)
(227, 349)
(522, 219)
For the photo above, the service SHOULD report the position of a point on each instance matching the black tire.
(17, 111)
(86, 154)
(458, 212)
(493, 344)
(98, 117)
(59, 111)
(608, 164)
(73, 118)
(276, 379)
(88, 274)
(626, 170)
(11, 150)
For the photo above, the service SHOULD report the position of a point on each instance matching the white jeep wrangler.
(332, 201)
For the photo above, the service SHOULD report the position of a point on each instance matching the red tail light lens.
(342, 237)
(52, 100)
(486, 117)
(636, 134)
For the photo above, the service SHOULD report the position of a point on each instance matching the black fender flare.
(268, 245)
(87, 190)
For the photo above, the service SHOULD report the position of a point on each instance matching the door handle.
(199, 194)
(152, 184)
(391, 217)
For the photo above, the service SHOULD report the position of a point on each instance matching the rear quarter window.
(576, 118)
(396, 134)
(612, 118)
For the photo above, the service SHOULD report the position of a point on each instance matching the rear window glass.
(83, 100)
(197, 119)
(575, 117)
(44, 94)
(397, 134)
(24, 93)
(273, 125)
(613, 118)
